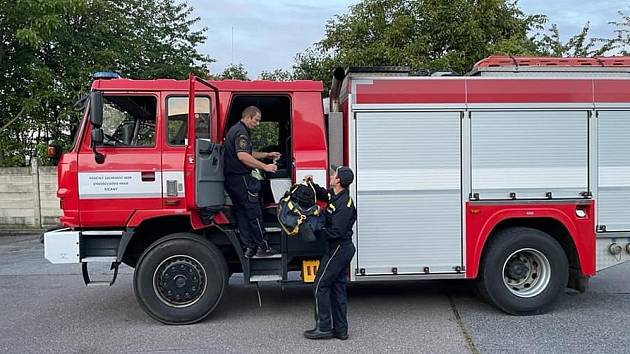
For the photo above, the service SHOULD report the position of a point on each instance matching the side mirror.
(97, 137)
(96, 118)
(96, 109)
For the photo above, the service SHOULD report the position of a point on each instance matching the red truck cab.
(146, 137)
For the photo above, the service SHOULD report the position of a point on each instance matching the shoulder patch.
(349, 202)
(242, 142)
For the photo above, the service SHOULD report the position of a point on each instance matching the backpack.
(298, 212)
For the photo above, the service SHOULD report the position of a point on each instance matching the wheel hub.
(526, 272)
(180, 281)
(518, 269)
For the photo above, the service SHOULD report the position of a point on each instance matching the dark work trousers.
(243, 190)
(330, 288)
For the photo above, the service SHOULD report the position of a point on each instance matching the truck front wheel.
(524, 271)
(180, 279)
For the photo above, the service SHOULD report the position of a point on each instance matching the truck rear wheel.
(180, 279)
(523, 272)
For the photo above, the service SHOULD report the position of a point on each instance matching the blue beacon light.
(105, 75)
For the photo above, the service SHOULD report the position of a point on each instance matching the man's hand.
(274, 155)
(271, 168)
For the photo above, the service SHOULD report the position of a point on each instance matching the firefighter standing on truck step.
(242, 187)
(332, 275)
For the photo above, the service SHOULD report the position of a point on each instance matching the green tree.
(266, 136)
(233, 72)
(50, 48)
(621, 41)
(422, 34)
(276, 75)
(580, 45)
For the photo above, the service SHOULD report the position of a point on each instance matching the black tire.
(532, 281)
(180, 263)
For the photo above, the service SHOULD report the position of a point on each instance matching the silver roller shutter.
(408, 191)
(613, 177)
(529, 153)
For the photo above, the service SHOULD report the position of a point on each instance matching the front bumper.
(62, 246)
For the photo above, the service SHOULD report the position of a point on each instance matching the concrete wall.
(28, 197)
(49, 203)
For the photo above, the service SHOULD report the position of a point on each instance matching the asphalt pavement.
(46, 308)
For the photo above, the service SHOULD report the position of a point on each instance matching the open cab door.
(203, 167)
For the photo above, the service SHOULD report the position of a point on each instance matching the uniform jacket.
(340, 212)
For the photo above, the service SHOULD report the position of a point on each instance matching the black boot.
(315, 333)
(265, 252)
(250, 252)
(260, 253)
(343, 335)
(270, 251)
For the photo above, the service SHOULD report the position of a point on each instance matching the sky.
(269, 33)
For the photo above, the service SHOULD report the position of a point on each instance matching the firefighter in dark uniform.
(332, 275)
(242, 187)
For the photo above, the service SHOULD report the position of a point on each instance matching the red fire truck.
(515, 175)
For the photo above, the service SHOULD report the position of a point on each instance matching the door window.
(177, 119)
(266, 137)
(129, 121)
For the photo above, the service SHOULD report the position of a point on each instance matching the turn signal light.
(52, 151)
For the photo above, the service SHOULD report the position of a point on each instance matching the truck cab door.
(129, 177)
(204, 159)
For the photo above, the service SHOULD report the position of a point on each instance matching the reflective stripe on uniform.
(319, 281)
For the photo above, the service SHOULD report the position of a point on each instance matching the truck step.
(92, 283)
(103, 259)
(89, 282)
(265, 277)
(270, 257)
(265, 269)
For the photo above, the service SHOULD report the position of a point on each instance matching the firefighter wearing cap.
(239, 162)
(332, 275)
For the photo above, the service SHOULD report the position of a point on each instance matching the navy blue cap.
(345, 174)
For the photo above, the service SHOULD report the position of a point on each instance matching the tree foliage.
(50, 48)
(439, 35)
(621, 41)
(579, 45)
(423, 34)
(276, 75)
(233, 72)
